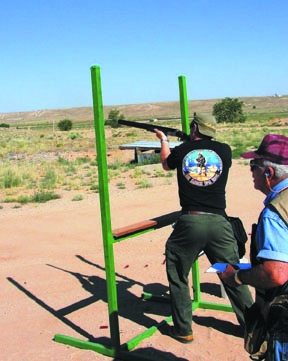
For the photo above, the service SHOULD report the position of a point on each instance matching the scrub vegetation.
(39, 163)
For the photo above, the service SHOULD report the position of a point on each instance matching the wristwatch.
(237, 278)
(164, 140)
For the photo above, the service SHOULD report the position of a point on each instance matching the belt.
(196, 212)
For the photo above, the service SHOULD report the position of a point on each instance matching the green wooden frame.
(116, 349)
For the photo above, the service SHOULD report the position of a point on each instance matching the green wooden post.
(184, 104)
(196, 284)
(105, 206)
(185, 128)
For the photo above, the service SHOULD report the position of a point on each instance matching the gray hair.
(281, 170)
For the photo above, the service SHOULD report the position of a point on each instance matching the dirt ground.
(53, 277)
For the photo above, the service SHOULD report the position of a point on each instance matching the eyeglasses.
(254, 165)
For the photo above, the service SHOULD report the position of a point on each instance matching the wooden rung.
(157, 222)
(133, 228)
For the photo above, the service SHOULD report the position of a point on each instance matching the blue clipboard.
(220, 267)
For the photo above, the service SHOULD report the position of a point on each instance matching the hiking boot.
(184, 339)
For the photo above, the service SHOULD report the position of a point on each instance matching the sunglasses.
(254, 165)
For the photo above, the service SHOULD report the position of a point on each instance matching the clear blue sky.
(224, 48)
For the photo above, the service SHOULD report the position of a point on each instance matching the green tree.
(229, 110)
(65, 125)
(113, 117)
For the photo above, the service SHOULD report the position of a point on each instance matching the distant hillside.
(149, 110)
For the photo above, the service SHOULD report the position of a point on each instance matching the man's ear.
(269, 172)
(193, 129)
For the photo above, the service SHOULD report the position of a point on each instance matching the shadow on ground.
(136, 312)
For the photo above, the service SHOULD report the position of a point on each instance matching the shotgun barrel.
(150, 128)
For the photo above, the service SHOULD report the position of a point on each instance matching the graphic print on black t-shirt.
(202, 167)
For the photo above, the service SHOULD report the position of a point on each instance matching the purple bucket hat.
(274, 147)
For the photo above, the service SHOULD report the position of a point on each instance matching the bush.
(50, 179)
(62, 161)
(78, 197)
(94, 187)
(143, 183)
(23, 199)
(73, 135)
(10, 179)
(121, 185)
(40, 197)
(229, 110)
(65, 125)
(237, 152)
(43, 197)
(82, 160)
(4, 125)
(113, 117)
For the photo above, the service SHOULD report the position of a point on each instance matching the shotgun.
(150, 128)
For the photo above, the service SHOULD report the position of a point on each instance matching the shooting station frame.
(112, 236)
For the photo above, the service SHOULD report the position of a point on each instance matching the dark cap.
(274, 147)
(206, 124)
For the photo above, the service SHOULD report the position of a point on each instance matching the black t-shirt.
(202, 172)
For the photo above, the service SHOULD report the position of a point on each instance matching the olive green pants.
(192, 234)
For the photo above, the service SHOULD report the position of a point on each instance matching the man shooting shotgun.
(151, 128)
(202, 171)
